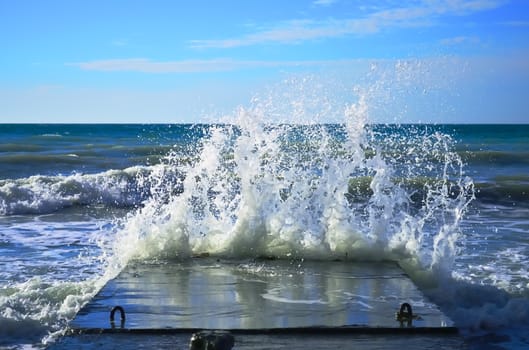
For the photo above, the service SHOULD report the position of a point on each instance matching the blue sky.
(161, 61)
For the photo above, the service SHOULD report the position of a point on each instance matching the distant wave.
(131, 186)
(17, 147)
(45, 194)
(502, 190)
(493, 157)
(37, 159)
(21, 161)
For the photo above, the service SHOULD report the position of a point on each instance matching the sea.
(448, 203)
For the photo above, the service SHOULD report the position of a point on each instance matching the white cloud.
(323, 2)
(148, 66)
(292, 32)
(132, 104)
(185, 66)
(463, 7)
(119, 42)
(143, 65)
(516, 23)
(296, 31)
(458, 40)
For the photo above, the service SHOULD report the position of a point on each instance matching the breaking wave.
(114, 188)
(284, 190)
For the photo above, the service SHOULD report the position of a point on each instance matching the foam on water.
(33, 309)
(54, 266)
(40, 194)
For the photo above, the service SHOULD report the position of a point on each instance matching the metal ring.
(122, 315)
(406, 314)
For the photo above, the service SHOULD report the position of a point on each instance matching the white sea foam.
(32, 309)
(35, 313)
(46, 194)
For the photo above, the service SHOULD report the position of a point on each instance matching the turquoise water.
(449, 203)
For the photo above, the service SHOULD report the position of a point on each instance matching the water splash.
(348, 191)
(38, 311)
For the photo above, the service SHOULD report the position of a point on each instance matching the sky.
(171, 61)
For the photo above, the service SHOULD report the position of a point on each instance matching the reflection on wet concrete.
(260, 294)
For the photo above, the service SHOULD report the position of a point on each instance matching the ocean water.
(449, 203)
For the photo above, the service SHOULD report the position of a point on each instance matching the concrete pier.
(286, 302)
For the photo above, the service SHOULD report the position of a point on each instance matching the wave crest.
(45, 194)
